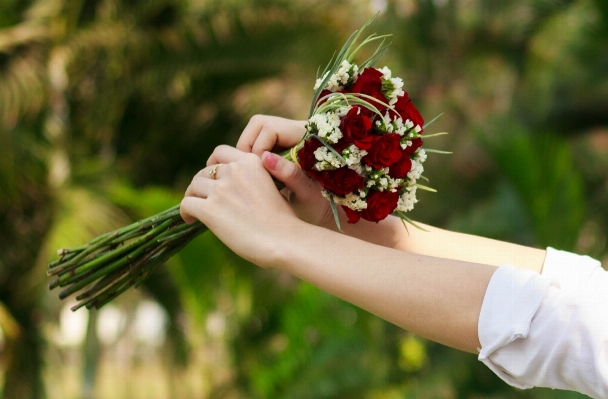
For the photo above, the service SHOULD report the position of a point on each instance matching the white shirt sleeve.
(548, 330)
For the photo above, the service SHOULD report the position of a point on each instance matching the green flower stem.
(138, 249)
(179, 231)
(110, 282)
(102, 283)
(110, 255)
(119, 236)
(67, 251)
(74, 262)
(141, 256)
(132, 279)
(63, 258)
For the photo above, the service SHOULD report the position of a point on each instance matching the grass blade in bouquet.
(113, 262)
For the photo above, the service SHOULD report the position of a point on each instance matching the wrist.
(279, 254)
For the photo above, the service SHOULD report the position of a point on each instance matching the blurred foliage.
(109, 107)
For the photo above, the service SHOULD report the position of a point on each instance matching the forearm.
(437, 298)
(444, 244)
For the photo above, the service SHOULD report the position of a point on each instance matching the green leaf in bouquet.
(370, 105)
(403, 217)
(437, 151)
(426, 188)
(431, 122)
(380, 51)
(426, 136)
(334, 210)
(345, 53)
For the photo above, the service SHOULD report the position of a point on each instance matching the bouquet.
(363, 144)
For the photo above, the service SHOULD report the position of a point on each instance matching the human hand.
(270, 133)
(303, 193)
(241, 205)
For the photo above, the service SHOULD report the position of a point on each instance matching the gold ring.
(213, 171)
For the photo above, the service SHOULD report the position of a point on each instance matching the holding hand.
(237, 199)
(270, 133)
(264, 134)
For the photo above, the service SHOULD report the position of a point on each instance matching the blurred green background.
(109, 107)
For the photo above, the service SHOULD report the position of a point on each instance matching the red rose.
(384, 152)
(355, 126)
(341, 181)
(353, 216)
(306, 156)
(407, 110)
(380, 204)
(416, 143)
(369, 82)
(399, 169)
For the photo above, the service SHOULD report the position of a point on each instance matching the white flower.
(397, 84)
(406, 144)
(421, 155)
(319, 81)
(328, 124)
(407, 200)
(336, 82)
(354, 201)
(327, 159)
(353, 155)
(416, 171)
(386, 72)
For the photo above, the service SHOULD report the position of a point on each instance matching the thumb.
(287, 172)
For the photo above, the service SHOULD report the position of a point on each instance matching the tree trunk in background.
(91, 355)
(22, 229)
(23, 377)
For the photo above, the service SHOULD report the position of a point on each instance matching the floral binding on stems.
(363, 144)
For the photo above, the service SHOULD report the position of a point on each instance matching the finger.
(191, 209)
(266, 133)
(250, 133)
(294, 178)
(224, 154)
(200, 187)
(266, 141)
(208, 171)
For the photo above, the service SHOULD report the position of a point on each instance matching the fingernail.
(270, 159)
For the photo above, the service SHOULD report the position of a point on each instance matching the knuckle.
(221, 148)
(195, 180)
(221, 189)
(292, 171)
(296, 174)
(211, 159)
(252, 159)
(257, 118)
(216, 154)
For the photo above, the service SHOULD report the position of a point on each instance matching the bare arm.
(445, 244)
(263, 133)
(434, 297)
(437, 298)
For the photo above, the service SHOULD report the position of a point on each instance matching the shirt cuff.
(512, 298)
(571, 271)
